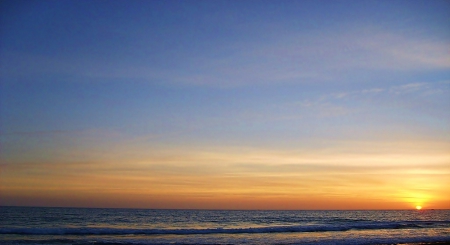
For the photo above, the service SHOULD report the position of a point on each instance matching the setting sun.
(418, 207)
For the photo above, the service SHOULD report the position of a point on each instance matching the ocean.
(38, 225)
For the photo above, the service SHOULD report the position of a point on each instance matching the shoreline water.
(62, 226)
(422, 243)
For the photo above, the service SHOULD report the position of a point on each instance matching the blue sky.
(94, 81)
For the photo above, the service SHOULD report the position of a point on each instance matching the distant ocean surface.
(27, 225)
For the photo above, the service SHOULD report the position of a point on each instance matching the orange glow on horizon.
(233, 179)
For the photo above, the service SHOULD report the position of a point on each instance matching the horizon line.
(218, 209)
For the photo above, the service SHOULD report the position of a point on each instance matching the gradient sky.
(225, 104)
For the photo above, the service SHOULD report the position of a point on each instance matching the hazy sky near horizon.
(225, 104)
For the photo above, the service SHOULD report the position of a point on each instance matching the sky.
(225, 104)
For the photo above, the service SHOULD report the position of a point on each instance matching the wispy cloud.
(290, 58)
(323, 57)
(337, 103)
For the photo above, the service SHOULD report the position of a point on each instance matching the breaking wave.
(269, 229)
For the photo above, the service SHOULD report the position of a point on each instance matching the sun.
(418, 207)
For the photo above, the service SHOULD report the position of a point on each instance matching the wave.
(269, 229)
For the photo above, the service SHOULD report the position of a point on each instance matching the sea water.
(36, 225)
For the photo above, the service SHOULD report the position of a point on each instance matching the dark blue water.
(26, 225)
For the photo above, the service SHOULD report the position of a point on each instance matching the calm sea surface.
(26, 225)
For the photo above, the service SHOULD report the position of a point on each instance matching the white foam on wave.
(269, 229)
